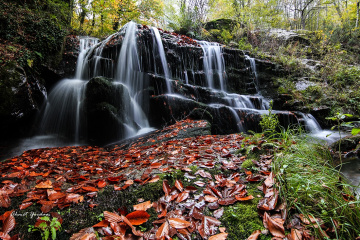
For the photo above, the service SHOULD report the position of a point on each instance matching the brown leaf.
(227, 201)
(210, 198)
(220, 236)
(178, 223)
(179, 185)
(275, 226)
(143, 206)
(163, 231)
(166, 188)
(137, 233)
(112, 217)
(138, 217)
(5, 201)
(56, 195)
(25, 205)
(73, 197)
(90, 189)
(182, 196)
(5, 236)
(84, 234)
(218, 213)
(295, 235)
(9, 224)
(307, 219)
(254, 235)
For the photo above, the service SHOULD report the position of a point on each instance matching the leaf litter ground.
(56, 179)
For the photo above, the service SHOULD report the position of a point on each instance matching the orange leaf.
(101, 184)
(220, 236)
(90, 189)
(46, 184)
(244, 198)
(178, 223)
(143, 206)
(155, 165)
(57, 195)
(163, 231)
(138, 217)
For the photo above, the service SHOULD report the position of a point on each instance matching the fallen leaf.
(220, 236)
(143, 206)
(138, 217)
(254, 235)
(163, 231)
(275, 226)
(178, 223)
(46, 184)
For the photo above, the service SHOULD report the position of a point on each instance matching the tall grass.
(310, 185)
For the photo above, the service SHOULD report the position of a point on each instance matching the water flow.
(85, 44)
(158, 47)
(63, 110)
(213, 65)
(129, 73)
(254, 72)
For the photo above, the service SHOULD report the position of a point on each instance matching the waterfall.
(159, 48)
(129, 73)
(63, 110)
(214, 65)
(254, 72)
(85, 44)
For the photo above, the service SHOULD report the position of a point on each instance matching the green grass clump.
(312, 186)
(248, 163)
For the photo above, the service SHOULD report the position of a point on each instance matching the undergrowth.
(310, 185)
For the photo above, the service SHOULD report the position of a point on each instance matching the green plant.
(313, 187)
(269, 122)
(46, 226)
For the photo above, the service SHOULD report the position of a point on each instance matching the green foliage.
(47, 227)
(269, 122)
(312, 186)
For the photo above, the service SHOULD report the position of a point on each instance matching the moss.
(247, 164)
(241, 220)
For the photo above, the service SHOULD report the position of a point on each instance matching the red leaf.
(103, 223)
(137, 233)
(5, 236)
(178, 223)
(138, 217)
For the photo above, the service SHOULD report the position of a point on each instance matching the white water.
(85, 44)
(254, 72)
(213, 65)
(129, 73)
(158, 47)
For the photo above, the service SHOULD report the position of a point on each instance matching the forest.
(179, 119)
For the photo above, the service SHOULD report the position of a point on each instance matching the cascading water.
(214, 66)
(158, 47)
(129, 73)
(63, 112)
(254, 72)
